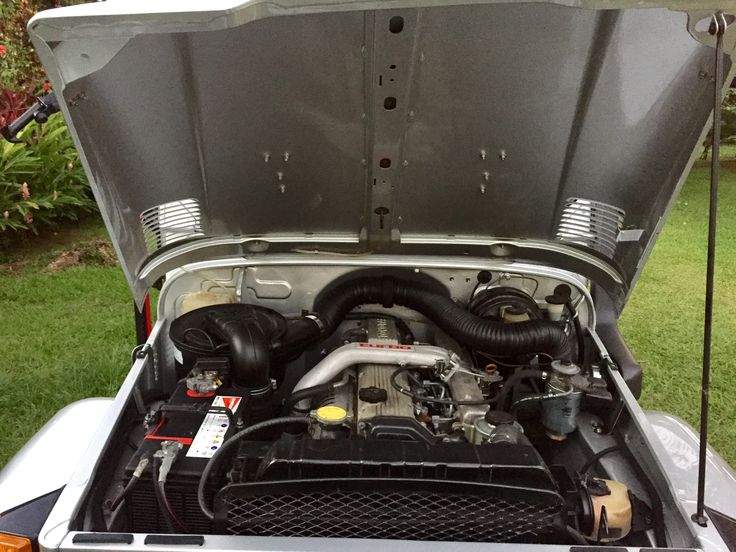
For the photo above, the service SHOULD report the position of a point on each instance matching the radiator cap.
(330, 414)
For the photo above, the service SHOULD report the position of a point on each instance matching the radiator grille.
(429, 511)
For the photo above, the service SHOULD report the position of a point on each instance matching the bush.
(41, 179)
(19, 66)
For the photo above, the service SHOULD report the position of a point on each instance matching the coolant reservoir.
(555, 307)
(199, 299)
(612, 502)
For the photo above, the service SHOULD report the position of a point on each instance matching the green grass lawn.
(67, 335)
(663, 321)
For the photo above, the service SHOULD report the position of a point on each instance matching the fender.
(48, 459)
(679, 457)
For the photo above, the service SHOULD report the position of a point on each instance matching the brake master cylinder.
(559, 414)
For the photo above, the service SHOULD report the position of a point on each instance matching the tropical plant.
(12, 105)
(41, 179)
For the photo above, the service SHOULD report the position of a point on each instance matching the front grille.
(390, 509)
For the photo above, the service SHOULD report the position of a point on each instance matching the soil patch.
(10, 268)
(97, 253)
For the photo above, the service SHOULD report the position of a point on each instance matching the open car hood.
(536, 131)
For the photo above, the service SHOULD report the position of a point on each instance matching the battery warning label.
(211, 433)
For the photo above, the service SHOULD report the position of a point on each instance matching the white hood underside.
(533, 131)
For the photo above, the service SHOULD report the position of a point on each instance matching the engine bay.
(387, 407)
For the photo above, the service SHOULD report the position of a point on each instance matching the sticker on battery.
(211, 433)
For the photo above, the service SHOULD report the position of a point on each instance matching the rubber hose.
(308, 393)
(249, 349)
(493, 337)
(578, 332)
(593, 460)
(299, 335)
(513, 379)
(576, 536)
(285, 420)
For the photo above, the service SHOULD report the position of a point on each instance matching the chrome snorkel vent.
(591, 223)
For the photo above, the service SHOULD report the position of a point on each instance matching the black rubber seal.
(167, 540)
(103, 538)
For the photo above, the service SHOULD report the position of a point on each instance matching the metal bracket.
(142, 351)
(393, 60)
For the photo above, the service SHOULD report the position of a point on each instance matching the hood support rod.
(717, 28)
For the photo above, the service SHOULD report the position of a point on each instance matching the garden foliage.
(41, 179)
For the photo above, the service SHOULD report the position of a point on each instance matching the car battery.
(201, 423)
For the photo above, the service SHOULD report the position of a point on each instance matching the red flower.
(46, 86)
(3, 50)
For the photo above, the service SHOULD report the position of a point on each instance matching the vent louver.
(171, 222)
(592, 224)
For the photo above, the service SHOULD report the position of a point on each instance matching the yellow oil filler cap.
(330, 414)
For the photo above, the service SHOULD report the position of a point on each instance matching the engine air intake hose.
(249, 348)
(493, 337)
(244, 333)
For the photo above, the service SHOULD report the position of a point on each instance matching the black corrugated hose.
(490, 336)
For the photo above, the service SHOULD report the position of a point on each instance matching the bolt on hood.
(536, 131)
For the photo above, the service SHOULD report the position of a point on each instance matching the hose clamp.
(260, 391)
(314, 318)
